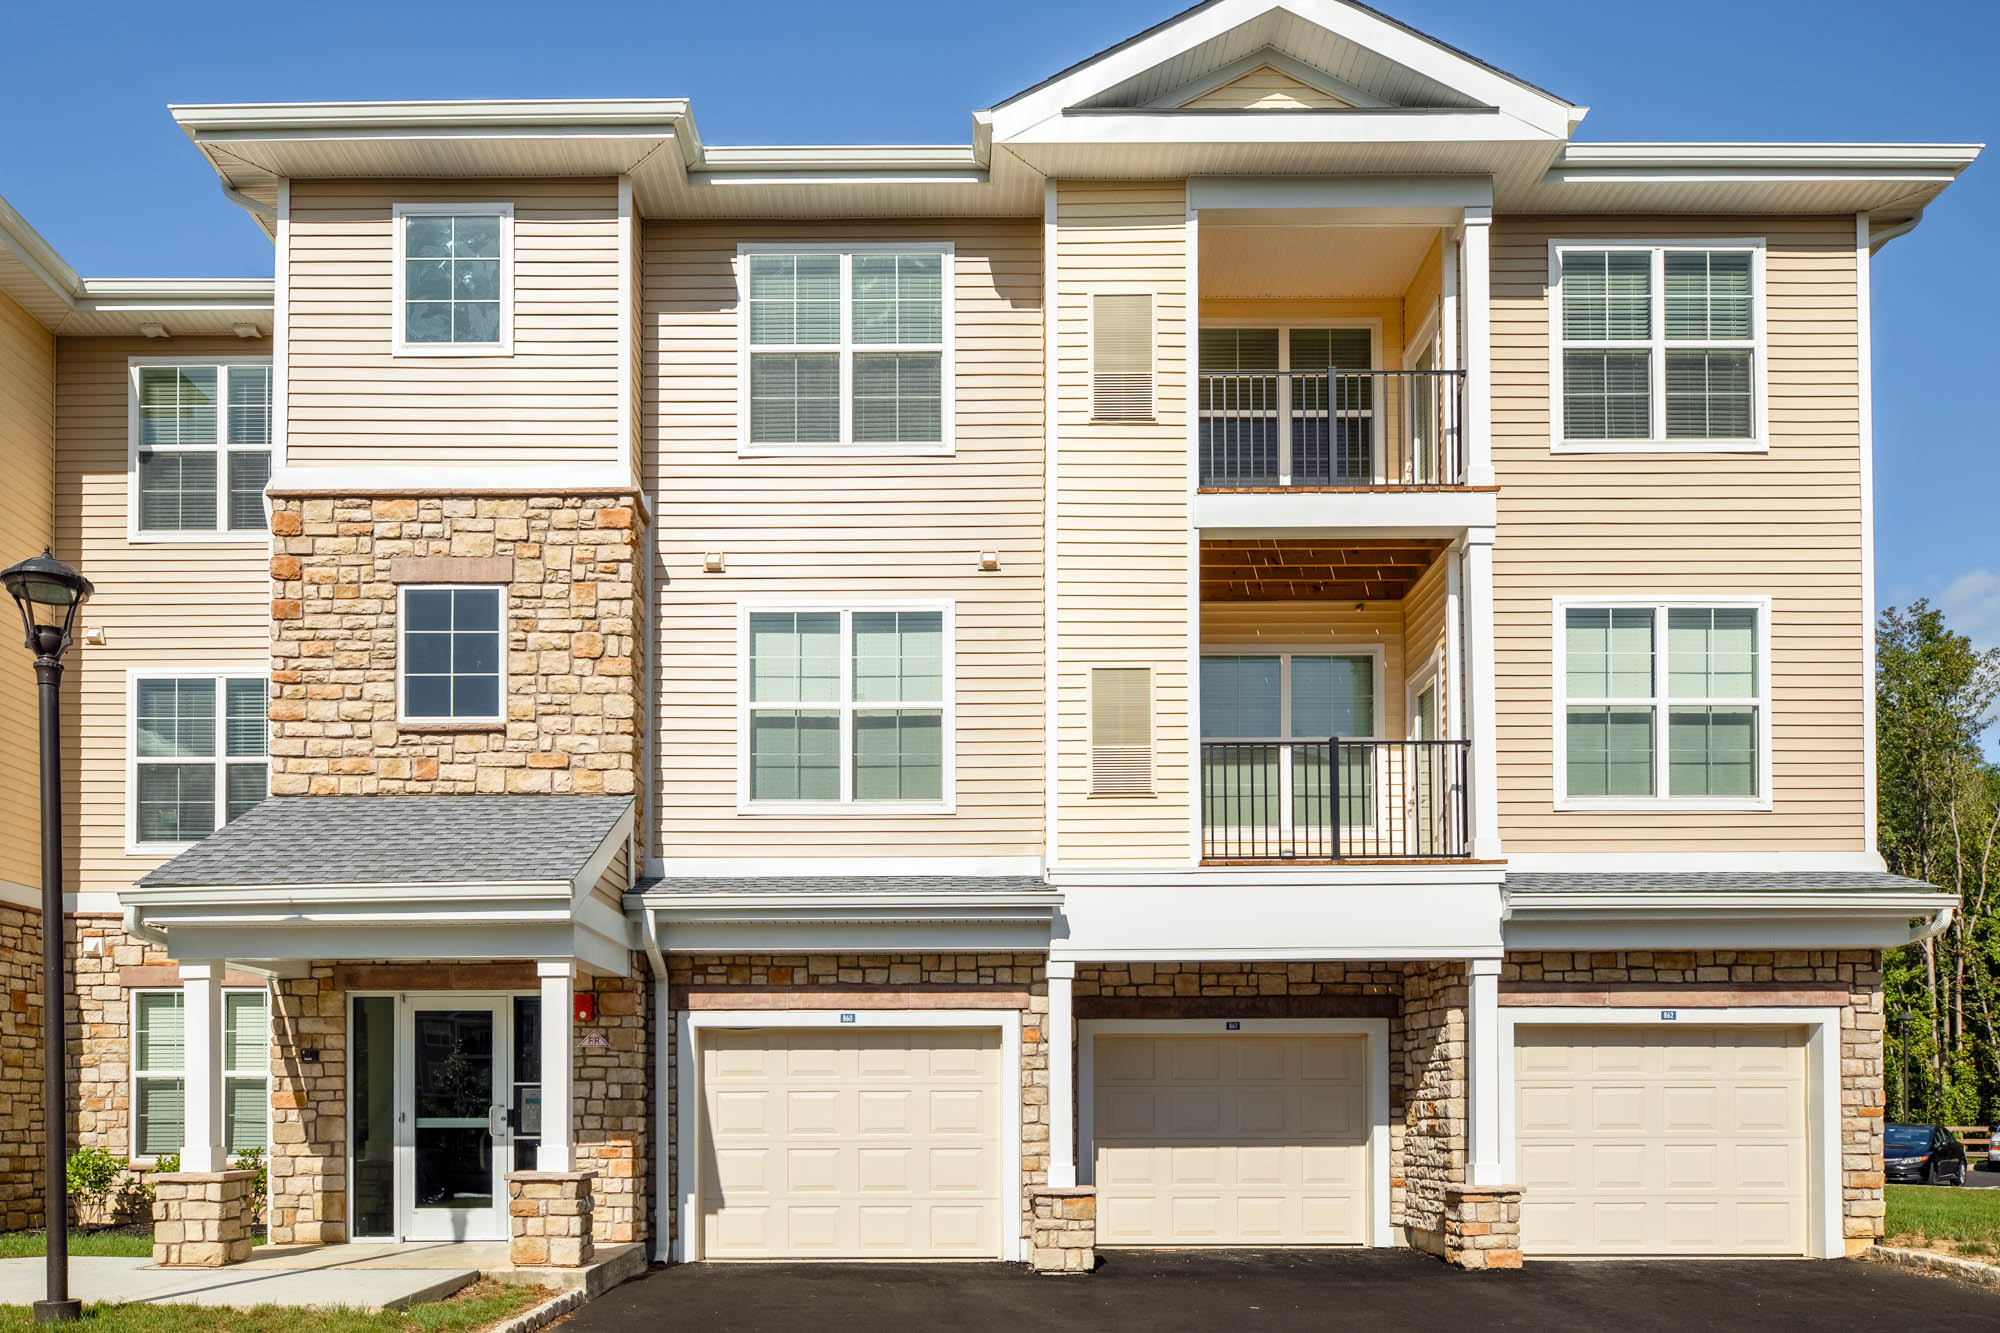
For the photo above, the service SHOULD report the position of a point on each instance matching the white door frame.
(1825, 1236)
(691, 1023)
(1376, 1030)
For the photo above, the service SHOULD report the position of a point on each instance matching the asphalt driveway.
(1231, 1291)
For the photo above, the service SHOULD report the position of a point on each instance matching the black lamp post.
(49, 592)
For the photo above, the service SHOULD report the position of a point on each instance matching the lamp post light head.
(48, 593)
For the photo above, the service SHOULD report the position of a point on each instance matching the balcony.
(1332, 430)
(1334, 800)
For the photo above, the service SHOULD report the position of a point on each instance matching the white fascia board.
(288, 895)
(167, 295)
(369, 478)
(1387, 876)
(1795, 157)
(1551, 116)
(1210, 193)
(429, 942)
(882, 906)
(942, 935)
(509, 118)
(1308, 513)
(1729, 921)
(1202, 128)
(1582, 904)
(38, 256)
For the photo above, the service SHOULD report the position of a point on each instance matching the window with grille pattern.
(201, 448)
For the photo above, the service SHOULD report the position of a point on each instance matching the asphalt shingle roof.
(833, 884)
(1738, 881)
(310, 840)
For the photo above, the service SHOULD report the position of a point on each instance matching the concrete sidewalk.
(123, 1281)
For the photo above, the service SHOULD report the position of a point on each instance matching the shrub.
(252, 1159)
(91, 1175)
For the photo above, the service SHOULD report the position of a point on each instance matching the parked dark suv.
(1922, 1155)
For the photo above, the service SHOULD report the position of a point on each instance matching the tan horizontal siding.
(555, 399)
(27, 497)
(199, 605)
(1426, 608)
(1123, 518)
(827, 529)
(1264, 89)
(1786, 524)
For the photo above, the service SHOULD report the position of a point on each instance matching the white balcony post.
(1482, 1072)
(558, 977)
(1061, 1036)
(1480, 694)
(1474, 282)
(202, 1146)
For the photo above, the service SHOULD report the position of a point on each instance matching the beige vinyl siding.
(864, 526)
(1123, 518)
(197, 605)
(1426, 637)
(27, 496)
(1316, 626)
(1425, 291)
(1786, 524)
(554, 399)
(1264, 89)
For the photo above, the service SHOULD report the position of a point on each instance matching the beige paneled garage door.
(850, 1143)
(1230, 1140)
(1661, 1140)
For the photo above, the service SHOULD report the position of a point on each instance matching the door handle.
(496, 1122)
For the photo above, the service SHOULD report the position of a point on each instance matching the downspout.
(264, 212)
(138, 930)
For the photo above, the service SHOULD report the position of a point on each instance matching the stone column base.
(1482, 1226)
(1062, 1234)
(550, 1216)
(202, 1219)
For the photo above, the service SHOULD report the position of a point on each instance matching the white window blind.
(159, 1071)
(1121, 356)
(198, 754)
(1121, 731)
(202, 449)
(847, 346)
(1657, 344)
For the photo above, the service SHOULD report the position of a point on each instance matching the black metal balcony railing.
(1333, 800)
(1347, 428)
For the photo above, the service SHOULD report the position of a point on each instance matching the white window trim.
(133, 675)
(485, 723)
(222, 534)
(135, 1074)
(1657, 345)
(1378, 414)
(1824, 1135)
(1660, 800)
(847, 804)
(397, 344)
(846, 446)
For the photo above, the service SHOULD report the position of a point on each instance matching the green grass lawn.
(479, 1306)
(1966, 1221)
(106, 1242)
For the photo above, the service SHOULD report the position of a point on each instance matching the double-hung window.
(454, 279)
(159, 1072)
(1663, 702)
(201, 449)
(453, 653)
(847, 707)
(1657, 345)
(847, 347)
(198, 754)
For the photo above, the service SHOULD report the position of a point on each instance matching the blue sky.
(92, 159)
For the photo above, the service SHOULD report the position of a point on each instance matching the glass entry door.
(456, 1104)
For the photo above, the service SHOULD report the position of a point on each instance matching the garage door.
(1230, 1140)
(854, 1143)
(1661, 1140)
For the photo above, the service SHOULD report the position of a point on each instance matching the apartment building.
(1272, 652)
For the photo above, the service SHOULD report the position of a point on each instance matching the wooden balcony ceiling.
(1278, 570)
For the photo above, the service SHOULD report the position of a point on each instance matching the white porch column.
(1482, 1074)
(1061, 1034)
(1474, 281)
(201, 1034)
(558, 1058)
(1480, 698)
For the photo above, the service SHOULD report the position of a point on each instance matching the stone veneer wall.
(100, 1066)
(1857, 972)
(307, 1203)
(614, 1107)
(21, 1068)
(898, 975)
(1434, 1083)
(574, 704)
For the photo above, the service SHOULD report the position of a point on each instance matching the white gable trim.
(1549, 116)
(1289, 66)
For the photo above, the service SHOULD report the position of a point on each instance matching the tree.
(1938, 818)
